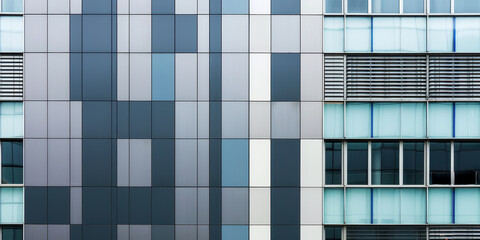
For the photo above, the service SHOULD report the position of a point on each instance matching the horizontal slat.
(11, 76)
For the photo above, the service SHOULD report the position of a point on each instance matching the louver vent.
(334, 76)
(386, 232)
(454, 232)
(11, 76)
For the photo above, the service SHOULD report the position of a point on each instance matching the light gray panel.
(58, 119)
(259, 120)
(35, 119)
(185, 119)
(123, 77)
(141, 162)
(75, 119)
(203, 205)
(35, 232)
(141, 232)
(203, 6)
(123, 164)
(203, 76)
(285, 120)
(36, 32)
(186, 76)
(311, 77)
(185, 205)
(58, 76)
(76, 205)
(76, 162)
(312, 119)
(311, 34)
(58, 162)
(185, 6)
(235, 206)
(235, 33)
(76, 6)
(58, 31)
(140, 77)
(140, 7)
(123, 6)
(35, 76)
(59, 6)
(203, 33)
(203, 119)
(286, 33)
(35, 162)
(203, 162)
(235, 76)
(203, 232)
(123, 33)
(187, 232)
(35, 6)
(140, 32)
(58, 232)
(185, 162)
(235, 119)
(123, 232)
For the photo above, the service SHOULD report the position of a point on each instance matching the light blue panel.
(440, 205)
(440, 34)
(467, 34)
(413, 206)
(440, 120)
(413, 6)
(357, 207)
(333, 34)
(386, 120)
(413, 120)
(235, 6)
(358, 34)
(413, 34)
(358, 120)
(11, 209)
(333, 120)
(11, 34)
(386, 34)
(467, 205)
(385, 6)
(12, 6)
(333, 205)
(235, 162)
(467, 120)
(11, 119)
(163, 77)
(231, 232)
(467, 6)
(386, 205)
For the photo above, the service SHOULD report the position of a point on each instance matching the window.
(11, 203)
(440, 162)
(412, 6)
(333, 233)
(358, 34)
(11, 34)
(467, 38)
(358, 206)
(12, 233)
(440, 34)
(357, 164)
(12, 162)
(440, 6)
(395, 34)
(467, 117)
(413, 163)
(333, 120)
(11, 119)
(333, 163)
(440, 205)
(467, 6)
(12, 6)
(385, 6)
(333, 199)
(357, 6)
(440, 120)
(385, 164)
(358, 120)
(333, 6)
(333, 34)
(467, 166)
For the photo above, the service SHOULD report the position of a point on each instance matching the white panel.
(203, 33)
(58, 76)
(203, 7)
(123, 6)
(203, 119)
(311, 34)
(123, 162)
(235, 33)
(58, 33)
(140, 77)
(260, 7)
(286, 33)
(260, 77)
(141, 7)
(259, 232)
(35, 76)
(311, 232)
(259, 119)
(76, 6)
(76, 119)
(35, 6)
(259, 205)
(123, 30)
(260, 163)
(311, 163)
(123, 85)
(203, 76)
(259, 33)
(35, 33)
(186, 6)
(186, 76)
(140, 33)
(311, 77)
(311, 120)
(311, 206)
(140, 162)
(58, 6)
(311, 7)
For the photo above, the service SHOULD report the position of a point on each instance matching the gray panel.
(311, 33)
(185, 162)
(185, 6)
(141, 232)
(58, 162)
(203, 33)
(58, 232)
(123, 232)
(203, 119)
(259, 120)
(35, 76)
(76, 205)
(140, 7)
(35, 162)
(35, 6)
(35, 232)
(203, 162)
(59, 6)
(235, 206)
(123, 164)
(123, 6)
(58, 119)
(58, 76)
(312, 119)
(285, 120)
(203, 233)
(185, 119)
(235, 119)
(235, 76)
(140, 32)
(203, 76)
(75, 119)
(311, 77)
(186, 76)
(185, 205)
(123, 33)
(58, 30)
(203, 205)
(76, 6)
(35, 119)
(185, 232)
(286, 33)
(235, 33)
(123, 76)
(76, 162)
(140, 162)
(140, 77)
(35, 32)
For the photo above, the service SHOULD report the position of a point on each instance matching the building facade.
(239, 119)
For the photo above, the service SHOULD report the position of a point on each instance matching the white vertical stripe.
(311, 163)
(260, 163)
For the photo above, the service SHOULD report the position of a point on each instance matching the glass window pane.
(357, 164)
(12, 233)
(385, 163)
(358, 206)
(385, 6)
(440, 162)
(467, 165)
(386, 120)
(467, 6)
(12, 6)
(333, 205)
(412, 6)
(413, 34)
(333, 233)
(413, 120)
(386, 205)
(333, 163)
(467, 205)
(358, 34)
(357, 6)
(333, 31)
(440, 120)
(413, 163)
(358, 120)
(11, 205)
(11, 119)
(11, 34)
(333, 6)
(414, 206)
(467, 117)
(440, 205)
(467, 34)
(386, 34)
(440, 6)
(333, 120)
(12, 162)
(440, 34)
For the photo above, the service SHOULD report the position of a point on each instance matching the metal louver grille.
(11, 76)
(334, 76)
(386, 232)
(454, 76)
(454, 232)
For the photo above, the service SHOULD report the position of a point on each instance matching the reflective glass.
(357, 163)
(385, 164)
(358, 34)
(333, 233)
(11, 119)
(333, 6)
(11, 34)
(333, 34)
(440, 119)
(385, 6)
(467, 6)
(413, 120)
(333, 205)
(413, 209)
(13, 6)
(440, 34)
(440, 6)
(413, 163)
(440, 163)
(386, 205)
(440, 206)
(11, 205)
(394, 34)
(333, 163)
(467, 34)
(413, 34)
(357, 208)
(12, 233)
(386, 120)
(358, 120)
(12, 162)
(333, 120)
(467, 117)
(467, 205)
(467, 166)
(357, 6)
(412, 6)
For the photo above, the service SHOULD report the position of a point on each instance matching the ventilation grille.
(454, 76)
(454, 232)
(11, 76)
(386, 232)
(334, 75)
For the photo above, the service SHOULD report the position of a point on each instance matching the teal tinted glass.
(440, 34)
(333, 34)
(467, 117)
(467, 205)
(333, 120)
(358, 206)
(385, 6)
(333, 205)
(11, 205)
(358, 120)
(358, 34)
(12, 6)
(11, 119)
(412, 6)
(467, 6)
(333, 6)
(357, 6)
(386, 205)
(440, 6)
(385, 163)
(413, 208)
(440, 204)
(440, 119)
(467, 34)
